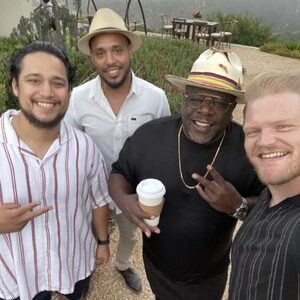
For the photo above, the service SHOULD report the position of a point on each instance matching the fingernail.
(194, 176)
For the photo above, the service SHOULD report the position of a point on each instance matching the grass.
(289, 48)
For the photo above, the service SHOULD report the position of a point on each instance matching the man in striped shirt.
(45, 162)
(265, 253)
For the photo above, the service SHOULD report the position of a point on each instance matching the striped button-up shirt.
(57, 249)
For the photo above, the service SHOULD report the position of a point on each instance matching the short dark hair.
(16, 59)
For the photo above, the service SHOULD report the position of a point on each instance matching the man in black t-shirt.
(188, 255)
(265, 253)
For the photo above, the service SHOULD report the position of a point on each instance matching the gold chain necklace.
(179, 157)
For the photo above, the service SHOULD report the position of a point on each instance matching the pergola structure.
(126, 17)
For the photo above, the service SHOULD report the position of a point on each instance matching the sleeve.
(98, 179)
(164, 107)
(71, 117)
(126, 163)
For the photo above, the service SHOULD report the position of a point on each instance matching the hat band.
(214, 80)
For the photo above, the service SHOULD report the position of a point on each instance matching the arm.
(100, 226)
(14, 217)
(126, 199)
(165, 107)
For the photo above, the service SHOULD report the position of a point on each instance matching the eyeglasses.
(216, 103)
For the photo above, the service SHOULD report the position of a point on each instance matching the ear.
(92, 59)
(15, 87)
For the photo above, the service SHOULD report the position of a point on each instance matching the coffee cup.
(150, 194)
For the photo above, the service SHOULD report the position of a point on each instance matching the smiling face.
(42, 89)
(110, 54)
(272, 137)
(203, 115)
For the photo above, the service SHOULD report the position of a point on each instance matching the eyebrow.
(39, 75)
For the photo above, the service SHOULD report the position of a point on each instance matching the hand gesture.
(219, 193)
(136, 215)
(102, 255)
(13, 216)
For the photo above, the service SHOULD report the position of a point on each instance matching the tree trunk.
(57, 26)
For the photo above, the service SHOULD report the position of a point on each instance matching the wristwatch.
(242, 211)
(103, 242)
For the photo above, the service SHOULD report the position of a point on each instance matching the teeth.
(112, 71)
(273, 154)
(45, 104)
(201, 124)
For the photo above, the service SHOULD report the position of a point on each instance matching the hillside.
(282, 16)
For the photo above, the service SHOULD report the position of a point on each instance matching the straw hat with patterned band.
(106, 20)
(216, 70)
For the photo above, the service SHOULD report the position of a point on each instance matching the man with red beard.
(266, 254)
(112, 106)
(187, 256)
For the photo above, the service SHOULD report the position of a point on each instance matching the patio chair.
(179, 28)
(166, 26)
(222, 39)
(201, 32)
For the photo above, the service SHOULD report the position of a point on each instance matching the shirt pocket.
(134, 122)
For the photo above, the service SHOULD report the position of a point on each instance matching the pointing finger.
(28, 207)
(215, 175)
(38, 212)
(10, 205)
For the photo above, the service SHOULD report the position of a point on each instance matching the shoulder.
(84, 89)
(77, 136)
(159, 127)
(145, 86)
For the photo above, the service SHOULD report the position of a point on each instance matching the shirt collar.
(97, 90)
(8, 134)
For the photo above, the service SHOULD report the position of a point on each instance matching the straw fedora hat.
(106, 20)
(216, 70)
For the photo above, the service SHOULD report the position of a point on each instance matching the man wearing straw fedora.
(187, 255)
(112, 106)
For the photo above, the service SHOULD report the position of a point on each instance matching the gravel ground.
(106, 283)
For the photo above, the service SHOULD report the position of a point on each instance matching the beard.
(116, 85)
(280, 178)
(42, 124)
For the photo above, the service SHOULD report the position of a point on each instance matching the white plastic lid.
(151, 188)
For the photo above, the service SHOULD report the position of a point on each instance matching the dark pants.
(165, 289)
(81, 287)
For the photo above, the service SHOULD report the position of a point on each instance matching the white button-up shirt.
(90, 111)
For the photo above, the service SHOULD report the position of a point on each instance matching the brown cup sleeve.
(153, 210)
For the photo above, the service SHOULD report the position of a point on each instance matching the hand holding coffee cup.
(150, 194)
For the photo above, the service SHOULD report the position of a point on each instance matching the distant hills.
(282, 16)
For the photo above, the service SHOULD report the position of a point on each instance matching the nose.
(204, 106)
(266, 138)
(46, 89)
(110, 58)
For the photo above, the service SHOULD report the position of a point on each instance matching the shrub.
(152, 62)
(247, 31)
(289, 48)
